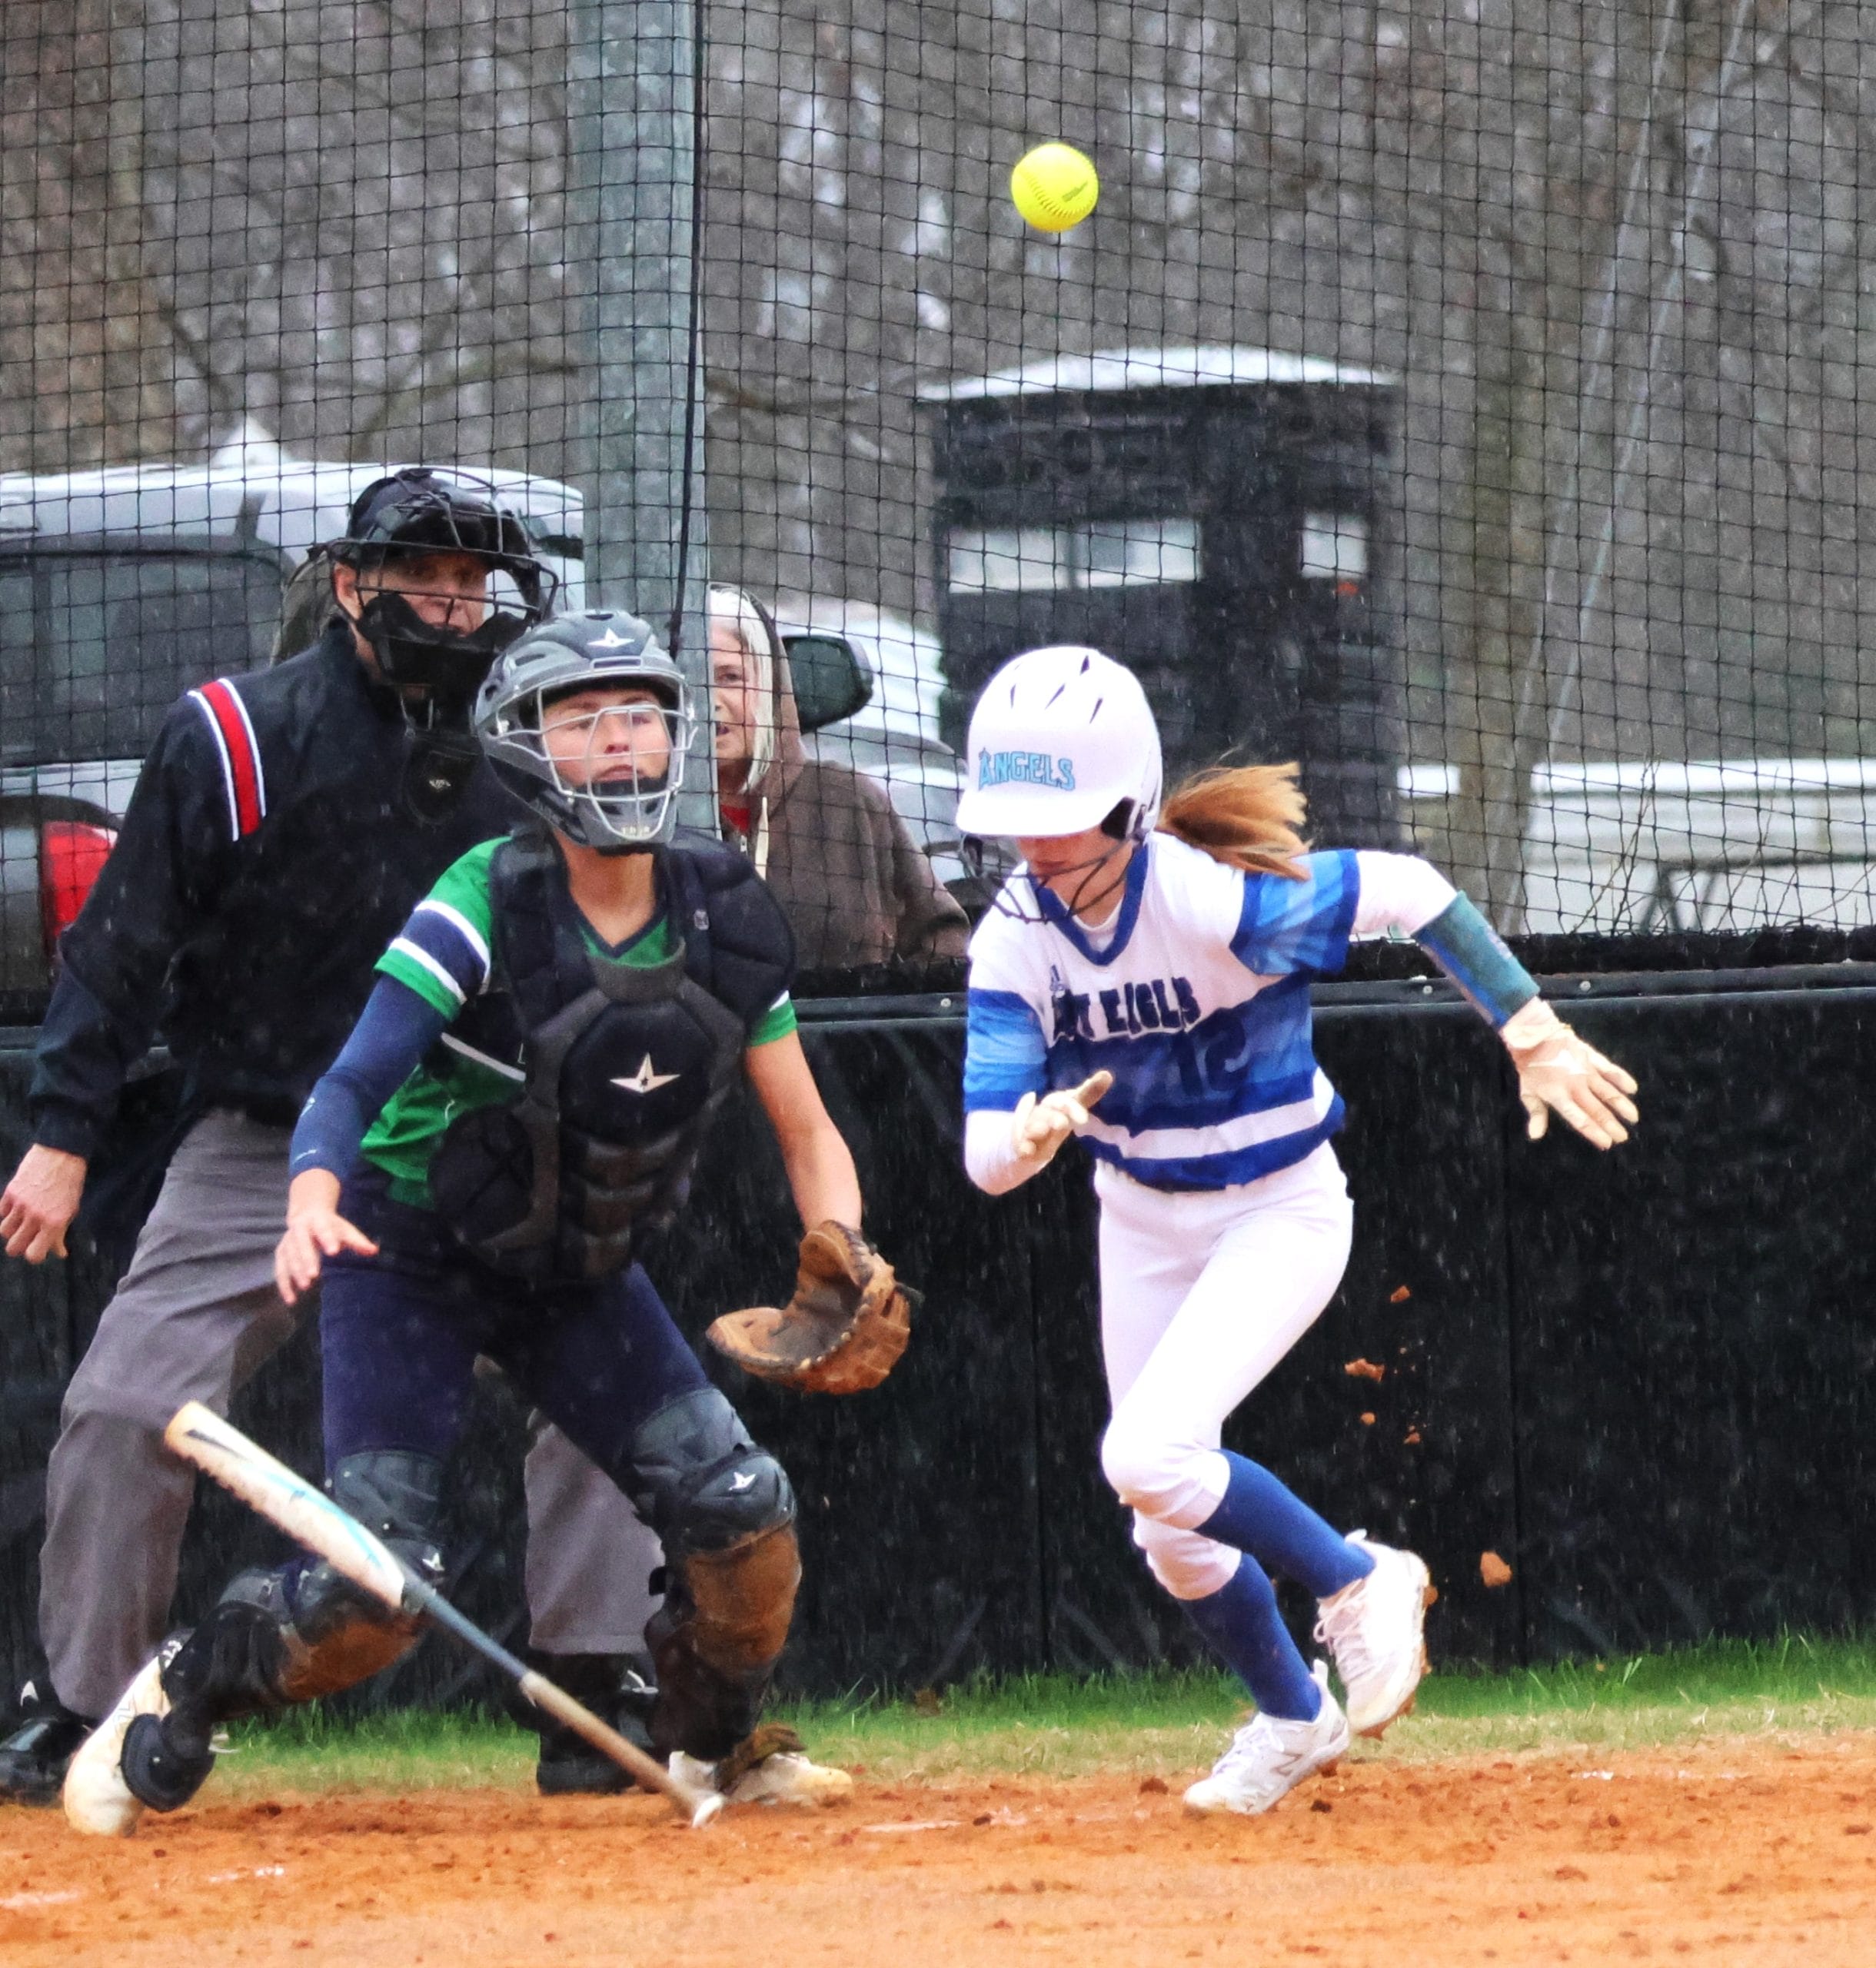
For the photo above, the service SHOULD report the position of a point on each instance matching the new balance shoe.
(1269, 1757)
(788, 1777)
(770, 1767)
(36, 1753)
(1375, 1630)
(98, 1801)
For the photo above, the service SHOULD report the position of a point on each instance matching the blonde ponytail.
(1248, 817)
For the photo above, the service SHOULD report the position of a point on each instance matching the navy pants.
(399, 1333)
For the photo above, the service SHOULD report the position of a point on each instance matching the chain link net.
(1467, 401)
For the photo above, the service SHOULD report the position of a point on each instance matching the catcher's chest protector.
(619, 1069)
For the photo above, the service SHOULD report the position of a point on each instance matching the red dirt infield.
(1731, 1851)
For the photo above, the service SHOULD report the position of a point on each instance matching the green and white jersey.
(442, 955)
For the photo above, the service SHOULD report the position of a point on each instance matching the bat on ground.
(309, 1515)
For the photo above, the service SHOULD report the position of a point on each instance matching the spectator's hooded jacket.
(853, 884)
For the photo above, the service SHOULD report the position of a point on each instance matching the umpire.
(284, 825)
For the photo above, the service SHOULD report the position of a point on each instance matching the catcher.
(528, 1089)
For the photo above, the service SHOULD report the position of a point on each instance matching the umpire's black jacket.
(266, 860)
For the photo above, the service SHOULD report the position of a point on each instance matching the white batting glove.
(1559, 1073)
(1038, 1128)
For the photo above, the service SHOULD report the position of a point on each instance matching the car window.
(93, 649)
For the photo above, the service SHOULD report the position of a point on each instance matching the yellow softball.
(1054, 186)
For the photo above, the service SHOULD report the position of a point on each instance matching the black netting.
(1467, 402)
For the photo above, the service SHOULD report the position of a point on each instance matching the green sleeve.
(442, 952)
(777, 1022)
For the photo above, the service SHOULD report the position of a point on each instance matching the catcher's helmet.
(1061, 738)
(421, 510)
(629, 808)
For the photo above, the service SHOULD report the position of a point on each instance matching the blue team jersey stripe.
(1225, 1171)
(1005, 1055)
(1285, 926)
(1244, 1058)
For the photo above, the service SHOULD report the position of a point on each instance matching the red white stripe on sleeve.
(241, 756)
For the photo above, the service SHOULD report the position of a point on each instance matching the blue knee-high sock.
(1258, 1515)
(1241, 1625)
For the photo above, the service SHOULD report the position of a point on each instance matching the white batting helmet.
(1060, 737)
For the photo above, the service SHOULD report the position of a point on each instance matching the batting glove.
(1559, 1073)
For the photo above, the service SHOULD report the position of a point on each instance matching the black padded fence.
(1642, 1380)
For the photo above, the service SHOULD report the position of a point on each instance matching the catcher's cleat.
(35, 1757)
(97, 1800)
(768, 1767)
(1269, 1757)
(1375, 1630)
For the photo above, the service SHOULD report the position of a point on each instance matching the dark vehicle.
(98, 635)
(119, 590)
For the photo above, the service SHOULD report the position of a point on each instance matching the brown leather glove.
(841, 1333)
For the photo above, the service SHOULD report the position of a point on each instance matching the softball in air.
(1054, 186)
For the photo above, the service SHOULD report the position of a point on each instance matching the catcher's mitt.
(842, 1331)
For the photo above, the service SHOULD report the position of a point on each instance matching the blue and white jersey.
(1198, 1003)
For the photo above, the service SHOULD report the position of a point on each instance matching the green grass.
(1151, 1725)
(308, 1749)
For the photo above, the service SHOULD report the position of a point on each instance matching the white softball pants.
(1202, 1293)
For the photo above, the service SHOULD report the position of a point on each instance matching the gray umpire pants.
(196, 1315)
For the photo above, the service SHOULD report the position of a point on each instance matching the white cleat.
(1269, 1757)
(785, 1777)
(1375, 1630)
(97, 1800)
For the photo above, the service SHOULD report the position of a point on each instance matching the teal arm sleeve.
(1472, 953)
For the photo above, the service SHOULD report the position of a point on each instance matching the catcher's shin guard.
(725, 1514)
(278, 1637)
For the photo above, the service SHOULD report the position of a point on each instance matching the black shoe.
(34, 1757)
(618, 1691)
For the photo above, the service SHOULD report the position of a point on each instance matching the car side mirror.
(832, 679)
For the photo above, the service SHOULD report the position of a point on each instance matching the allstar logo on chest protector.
(646, 1080)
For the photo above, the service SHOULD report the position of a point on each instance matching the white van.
(119, 590)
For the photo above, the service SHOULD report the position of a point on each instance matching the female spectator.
(842, 864)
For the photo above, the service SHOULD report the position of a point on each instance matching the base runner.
(526, 1090)
(1143, 982)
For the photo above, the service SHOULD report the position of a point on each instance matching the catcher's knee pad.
(337, 1635)
(695, 1477)
(276, 1638)
(725, 1514)
(301, 1630)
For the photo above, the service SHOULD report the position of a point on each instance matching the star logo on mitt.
(645, 1080)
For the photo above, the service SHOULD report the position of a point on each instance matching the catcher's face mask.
(614, 753)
